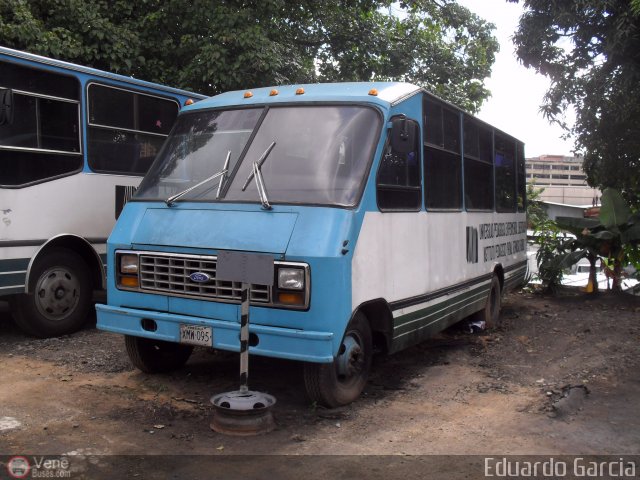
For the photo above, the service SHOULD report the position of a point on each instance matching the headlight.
(127, 271)
(291, 278)
(129, 264)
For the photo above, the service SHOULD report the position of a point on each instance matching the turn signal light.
(131, 282)
(290, 298)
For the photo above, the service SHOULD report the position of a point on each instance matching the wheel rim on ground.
(57, 293)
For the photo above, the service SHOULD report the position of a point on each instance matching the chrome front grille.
(170, 273)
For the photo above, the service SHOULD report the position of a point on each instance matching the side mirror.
(403, 134)
(6, 106)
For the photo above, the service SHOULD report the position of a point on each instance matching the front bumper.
(275, 342)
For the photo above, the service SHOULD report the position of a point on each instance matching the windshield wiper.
(225, 169)
(257, 175)
(262, 192)
(172, 199)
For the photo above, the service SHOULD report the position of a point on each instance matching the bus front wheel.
(341, 382)
(156, 356)
(60, 298)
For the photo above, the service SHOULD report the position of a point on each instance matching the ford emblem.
(199, 277)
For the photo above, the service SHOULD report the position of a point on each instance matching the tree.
(590, 50)
(211, 45)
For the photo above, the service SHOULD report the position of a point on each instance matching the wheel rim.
(57, 293)
(350, 363)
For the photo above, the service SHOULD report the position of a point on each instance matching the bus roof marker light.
(300, 91)
(248, 94)
(188, 101)
(273, 93)
(373, 92)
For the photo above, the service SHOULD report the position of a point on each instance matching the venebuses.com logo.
(38, 467)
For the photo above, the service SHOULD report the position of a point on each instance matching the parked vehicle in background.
(387, 213)
(74, 144)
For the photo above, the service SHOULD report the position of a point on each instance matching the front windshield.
(197, 149)
(321, 154)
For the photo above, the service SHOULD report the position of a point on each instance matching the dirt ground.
(560, 376)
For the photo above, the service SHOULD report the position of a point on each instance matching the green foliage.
(552, 244)
(212, 46)
(548, 238)
(614, 238)
(590, 49)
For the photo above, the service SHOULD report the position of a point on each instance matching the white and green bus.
(74, 144)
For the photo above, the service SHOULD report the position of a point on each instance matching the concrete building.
(563, 180)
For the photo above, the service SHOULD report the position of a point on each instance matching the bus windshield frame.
(322, 154)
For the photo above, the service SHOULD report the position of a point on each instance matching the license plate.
(196, 335)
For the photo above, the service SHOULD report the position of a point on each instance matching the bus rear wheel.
(60, 299)
(156, 356)
(491, 312)
(341, 382)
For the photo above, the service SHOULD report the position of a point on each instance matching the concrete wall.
(570, 195)
(554, 210)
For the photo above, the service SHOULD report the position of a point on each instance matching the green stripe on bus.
(12, 280)
(431, 320)
(14, 264)
(449, 303)
(11, 290)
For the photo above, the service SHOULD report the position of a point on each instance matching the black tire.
(61, 291)
(341, 382)
(156, 356)
(491, 312)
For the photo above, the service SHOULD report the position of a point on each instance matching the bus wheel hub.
(351, 360)
(56, 293)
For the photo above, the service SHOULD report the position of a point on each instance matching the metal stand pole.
(244, 338)
(243, 412)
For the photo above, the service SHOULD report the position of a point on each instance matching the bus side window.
(442, 156)
(40, 135)
(398, 181)
(478, 165)
(522, 181)
(505, 174)
(126, 128)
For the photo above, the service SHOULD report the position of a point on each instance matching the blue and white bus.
(389, 215)
(74, 143)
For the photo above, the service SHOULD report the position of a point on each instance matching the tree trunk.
(592, 285)
(617, 276)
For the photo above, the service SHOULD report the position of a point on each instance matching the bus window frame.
(89, 125)
(506, 138)
(488, 129)
(418, 141)
(81, 124)
(451, 109)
